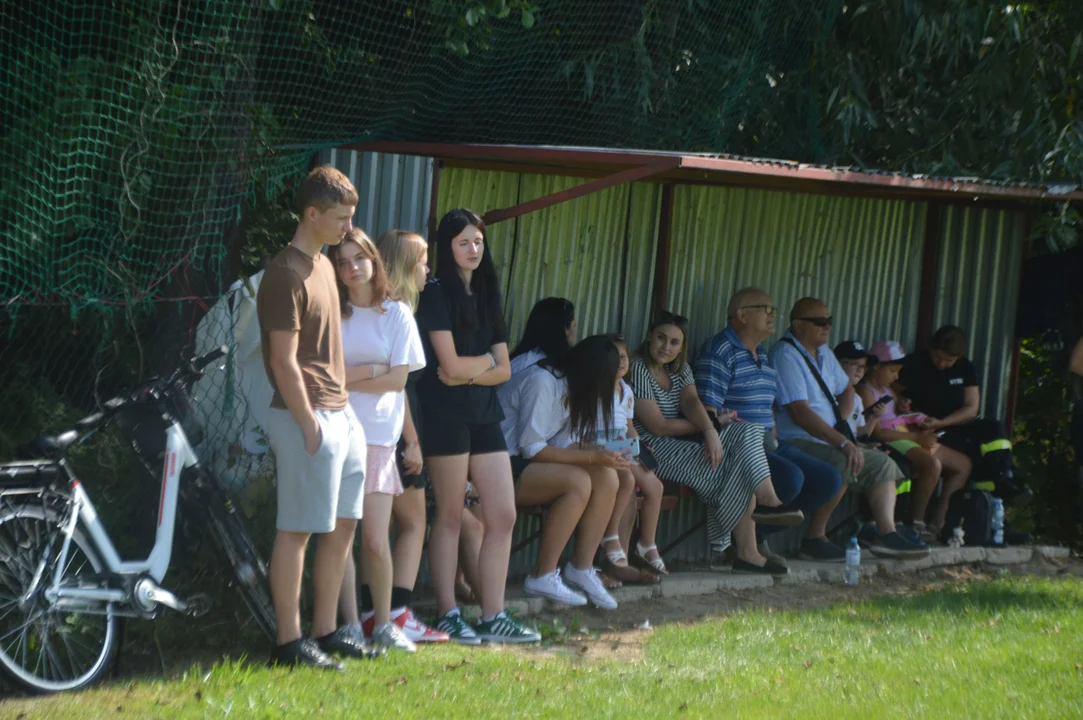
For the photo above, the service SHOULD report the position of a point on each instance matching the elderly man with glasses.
(734, 375)
(814, 397)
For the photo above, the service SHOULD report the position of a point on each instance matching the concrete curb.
(685, 584)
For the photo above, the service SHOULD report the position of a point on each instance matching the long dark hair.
(483, 283)
(590, 369)
(547, 328)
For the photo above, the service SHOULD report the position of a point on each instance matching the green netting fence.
(146, 147)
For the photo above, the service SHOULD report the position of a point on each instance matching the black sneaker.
(769, 568)
(821, 550)
(894, 545)
(302, 653)
(349, 641)
(777, 515)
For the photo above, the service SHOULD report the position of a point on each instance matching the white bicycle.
(63, 585)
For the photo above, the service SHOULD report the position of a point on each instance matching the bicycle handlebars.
(190, 370)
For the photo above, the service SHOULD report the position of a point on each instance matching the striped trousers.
(727, 489)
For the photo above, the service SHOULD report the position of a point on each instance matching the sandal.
(610, 583)
(657, 565)
(616, 563)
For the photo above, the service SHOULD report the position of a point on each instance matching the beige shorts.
(878, 468)
(314, 490)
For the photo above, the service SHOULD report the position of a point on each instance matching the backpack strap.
(840, 423)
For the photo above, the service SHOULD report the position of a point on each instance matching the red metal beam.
(593, 186)
(660, 293)
(930, 263)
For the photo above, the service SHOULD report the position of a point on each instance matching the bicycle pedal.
(198, 605)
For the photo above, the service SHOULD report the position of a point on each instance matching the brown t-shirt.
(298, 293)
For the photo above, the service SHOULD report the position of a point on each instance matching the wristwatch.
(492, 360)
(844, 443)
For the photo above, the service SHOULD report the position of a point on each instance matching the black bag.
(841, 425)
(973, 509)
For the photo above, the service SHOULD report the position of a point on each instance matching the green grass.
(1010, 647)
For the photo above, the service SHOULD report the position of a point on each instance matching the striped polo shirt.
(728, 377)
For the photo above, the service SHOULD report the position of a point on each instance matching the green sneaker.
(458, 629)
(505, 629)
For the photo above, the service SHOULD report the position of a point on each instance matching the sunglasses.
(668, 318)
(767, 309)
(818, 321)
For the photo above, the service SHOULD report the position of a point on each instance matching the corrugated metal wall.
(597, 251)
(394, 190)
(977, 288)
(861, 256)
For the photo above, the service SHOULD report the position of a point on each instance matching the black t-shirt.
(474, 404)
(937, 393)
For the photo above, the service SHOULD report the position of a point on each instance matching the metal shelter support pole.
(660, 293)
(602, 183)
(930, 263)
(1013, 373)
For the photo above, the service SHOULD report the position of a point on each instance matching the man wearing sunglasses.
(814, 397)
(734, 375)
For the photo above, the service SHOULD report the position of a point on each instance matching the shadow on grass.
(994, 596)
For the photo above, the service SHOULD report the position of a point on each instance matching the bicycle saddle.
(48, 446)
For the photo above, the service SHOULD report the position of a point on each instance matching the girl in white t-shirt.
(616, 545)
(377, 332)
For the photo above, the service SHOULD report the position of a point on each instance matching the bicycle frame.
(178, 456)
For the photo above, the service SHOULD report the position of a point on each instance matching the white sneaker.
(553, 588)
(390, 636)
(589, 582)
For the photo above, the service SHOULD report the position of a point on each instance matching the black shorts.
(420, 481)
(444, 439)
(518, 465)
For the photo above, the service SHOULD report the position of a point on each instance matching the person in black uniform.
(943, 384)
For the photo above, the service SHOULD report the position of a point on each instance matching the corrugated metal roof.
(737, 170)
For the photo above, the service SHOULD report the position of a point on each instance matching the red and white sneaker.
(368, 624)
(418, 631)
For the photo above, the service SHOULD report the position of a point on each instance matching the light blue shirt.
(795, 382)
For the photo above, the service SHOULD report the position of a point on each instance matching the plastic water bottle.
(998, 521)
(853, 563)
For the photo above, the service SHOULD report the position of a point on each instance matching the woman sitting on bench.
(547, 408)
(723, 463)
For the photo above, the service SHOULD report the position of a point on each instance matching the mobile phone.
(619, 446)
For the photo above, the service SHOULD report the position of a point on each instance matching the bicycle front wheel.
(45, 649)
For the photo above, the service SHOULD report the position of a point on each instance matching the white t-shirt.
(389, 338)
(856, 418)
(625, 409)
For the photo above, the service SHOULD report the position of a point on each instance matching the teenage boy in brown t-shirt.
(318, 444)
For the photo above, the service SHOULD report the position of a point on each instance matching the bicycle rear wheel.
(235, 546)
(42, 648)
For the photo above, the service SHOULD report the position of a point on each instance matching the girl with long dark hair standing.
(466, 347)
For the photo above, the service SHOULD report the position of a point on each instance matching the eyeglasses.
(668, 318)
(767, 309)
(818, 321)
